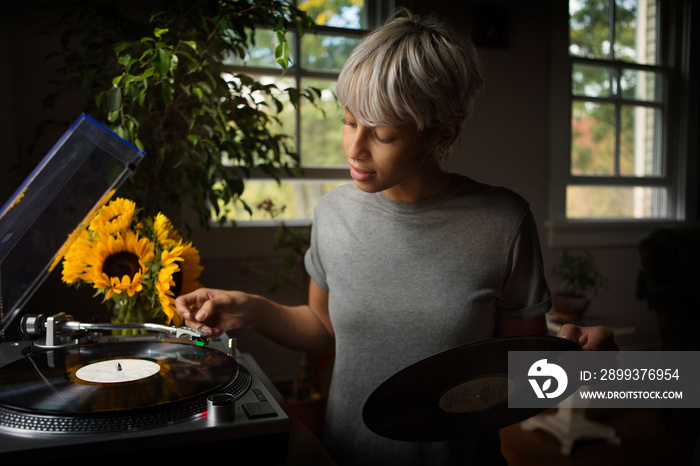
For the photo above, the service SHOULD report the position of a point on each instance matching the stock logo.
(542, 373)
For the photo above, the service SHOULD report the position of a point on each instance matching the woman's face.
(389, 159)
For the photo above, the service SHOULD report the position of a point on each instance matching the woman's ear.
(444, 136)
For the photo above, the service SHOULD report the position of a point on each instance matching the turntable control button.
(259, 394)
(258, 410)
(221, 408)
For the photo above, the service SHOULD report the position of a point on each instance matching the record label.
(475, 394)
(117, 370)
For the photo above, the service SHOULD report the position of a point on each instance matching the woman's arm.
(303, 328)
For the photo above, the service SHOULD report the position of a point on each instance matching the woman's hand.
(590, 338)
(304, 327)
(215, 311)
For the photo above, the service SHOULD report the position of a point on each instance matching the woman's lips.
(360, 175)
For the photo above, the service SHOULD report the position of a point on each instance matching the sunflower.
(119, 263)
(179, 273)
(166, 235)
(166, 286)
(140, 265)
(115, 217)
(191, 269)
(75, 267)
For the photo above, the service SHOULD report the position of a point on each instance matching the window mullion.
(618, 119)
(593, 180)
(611, 32)
(297, 80)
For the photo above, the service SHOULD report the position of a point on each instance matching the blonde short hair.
(410, 70)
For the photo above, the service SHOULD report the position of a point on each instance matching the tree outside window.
(618, 167)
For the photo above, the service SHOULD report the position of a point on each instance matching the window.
(621, 162)
(315, 130)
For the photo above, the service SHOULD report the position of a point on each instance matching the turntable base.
(262, 438)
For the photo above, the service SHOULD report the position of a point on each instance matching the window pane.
(640, 85)
(589, 28)
(262, 54)
(321, 128)
(592, 138)
(285, 122)
(615, 202)
(636, 31)
(639, 141)
(625, 30)
(293, 199)
(322, 52)
(339, 13)
(592, 81)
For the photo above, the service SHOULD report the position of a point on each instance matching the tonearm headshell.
(60, 330)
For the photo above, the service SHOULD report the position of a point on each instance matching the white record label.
(475, 395)
(117, 370)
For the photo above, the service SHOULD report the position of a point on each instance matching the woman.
(409, 260)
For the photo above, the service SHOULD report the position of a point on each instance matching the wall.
(507, 143)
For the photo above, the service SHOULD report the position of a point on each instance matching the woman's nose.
(356, 142)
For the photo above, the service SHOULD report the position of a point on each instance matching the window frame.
(590, 232)
(375, 12)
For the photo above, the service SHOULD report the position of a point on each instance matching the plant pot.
(569, 308)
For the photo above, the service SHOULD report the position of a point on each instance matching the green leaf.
(114, 99)
(282, 51)
(117, 79)
(168, 92)
(191, 43)
(125, 60)
(193, 138)
(161, 62)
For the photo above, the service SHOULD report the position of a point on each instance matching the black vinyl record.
(426, 401)
(113, 377)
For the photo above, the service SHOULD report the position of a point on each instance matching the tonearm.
(60, 330)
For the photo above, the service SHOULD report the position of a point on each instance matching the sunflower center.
(120, 264)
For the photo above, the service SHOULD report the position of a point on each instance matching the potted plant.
(582, 279)
(156, 74)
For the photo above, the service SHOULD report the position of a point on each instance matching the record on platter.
(108, 378)
(459, 392)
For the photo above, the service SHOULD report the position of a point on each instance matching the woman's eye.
(382, 140)
(374, 133)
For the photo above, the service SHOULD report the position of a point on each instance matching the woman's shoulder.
(476, 191)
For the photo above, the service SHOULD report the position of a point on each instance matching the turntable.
(69, 391)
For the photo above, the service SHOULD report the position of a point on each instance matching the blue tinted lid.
(80, 173)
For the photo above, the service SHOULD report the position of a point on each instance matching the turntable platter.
(49, 381)
(154, 381)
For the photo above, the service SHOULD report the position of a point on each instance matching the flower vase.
(124, 312)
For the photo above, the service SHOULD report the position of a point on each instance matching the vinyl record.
(113, 377)
(458, 392)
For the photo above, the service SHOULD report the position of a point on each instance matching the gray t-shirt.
(407, 280)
